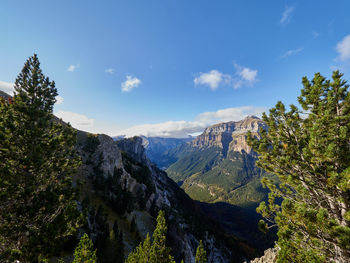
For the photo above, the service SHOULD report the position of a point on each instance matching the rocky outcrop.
(127, 171)
(230, 136)
(270, 256)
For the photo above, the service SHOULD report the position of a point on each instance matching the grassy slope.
(207, 176)
(229, 185)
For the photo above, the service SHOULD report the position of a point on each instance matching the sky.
(172, 67)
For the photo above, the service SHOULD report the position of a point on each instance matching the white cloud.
(287, 15)
(130, 83)
(7, 87)
(213, 79)
(244, 76)
(292, 52)
(229, 114)
(343, 48)
(181, 129)
(110, 71)
(72, 68)
(177, 129)
(248, 74)
(78, 121)
(59, 100)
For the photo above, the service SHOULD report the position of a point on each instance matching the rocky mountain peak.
(230, 136)
(135, 147)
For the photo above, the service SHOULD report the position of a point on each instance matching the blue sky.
(171, 68)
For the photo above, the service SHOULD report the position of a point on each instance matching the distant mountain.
(157, 149)
(218, 167)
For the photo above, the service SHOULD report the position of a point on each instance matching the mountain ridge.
(219, 167)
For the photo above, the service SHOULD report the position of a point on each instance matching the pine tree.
(201, 254)
(84, 252)
(37, 160)
(309, 150)
(141, 253)
(155, 252)
(160, 253)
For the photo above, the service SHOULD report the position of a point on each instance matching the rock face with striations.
(218, 167)
(230, 136)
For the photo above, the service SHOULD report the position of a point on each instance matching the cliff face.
(157, 149)
(135, 189)
(219, 167)
(229, 136)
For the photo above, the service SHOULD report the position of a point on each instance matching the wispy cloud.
(229, 114)
(213, 79)
(7, 87)
(244, 76)
(59, 100)
(176, 129)
(72, 68)
(343, 48)
(130, 83)
(287, 15)
(78, 121)
(291, 52)
(110, 71)
(315, 34)
(181, 129)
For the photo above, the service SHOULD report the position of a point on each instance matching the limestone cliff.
(219, 167)
(229, 136)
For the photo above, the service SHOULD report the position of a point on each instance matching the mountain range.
(123, 189)
(218, 169)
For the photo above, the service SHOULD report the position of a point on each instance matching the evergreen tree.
(84, 252)
(201, 254)
(155, 252)
(37, 160)
(160, 253)
(141, 253)
(309, 150)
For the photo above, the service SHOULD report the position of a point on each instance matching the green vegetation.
(206, 175)
(84, 252)
(201, 254)
(192, 161)
(37, 202)
(157, 251)
(309, 151)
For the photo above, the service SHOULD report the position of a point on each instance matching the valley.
(217, 168)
